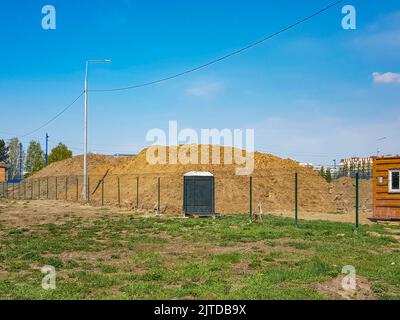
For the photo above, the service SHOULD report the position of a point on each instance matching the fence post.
(357, 200)
(32, 189)
(77, 189)
(56, 188)
(251, 199)
(119, 192)
(296, 194)
(158, 194)
(137, 192)
(66, 188)
(39, 191)
(102, 193)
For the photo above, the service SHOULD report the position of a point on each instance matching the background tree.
(364, 168)
(12, 159)
(3, 151)
(358, 169)
(59, 153)
(352, 169)
(328, 175)
(35, 159)
(345, 169)
(322, 172)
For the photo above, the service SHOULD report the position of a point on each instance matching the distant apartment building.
(362, 165)
(346, 168)
(357, 162)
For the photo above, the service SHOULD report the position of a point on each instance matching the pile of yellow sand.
(273, 183)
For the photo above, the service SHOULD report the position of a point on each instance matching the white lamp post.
(85, 191)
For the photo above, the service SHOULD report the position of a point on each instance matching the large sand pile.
(97, 164)
(344, 193)
(273, 184)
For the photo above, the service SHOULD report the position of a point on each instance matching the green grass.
(129, 257)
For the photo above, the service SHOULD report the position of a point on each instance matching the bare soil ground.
(21, 213)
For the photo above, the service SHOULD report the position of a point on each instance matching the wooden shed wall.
(2, 173)
(385, 205)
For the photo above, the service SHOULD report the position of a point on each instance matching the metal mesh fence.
(275, 192)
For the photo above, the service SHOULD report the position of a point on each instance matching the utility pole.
(20, 160)
(85, 135)
(47, 149)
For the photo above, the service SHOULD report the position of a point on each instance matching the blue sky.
(310, 94)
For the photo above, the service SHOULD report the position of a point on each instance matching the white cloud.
(388, 77)
(205, 90)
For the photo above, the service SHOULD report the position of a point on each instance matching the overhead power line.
(227, 56)
(53, 118)
(189, 70)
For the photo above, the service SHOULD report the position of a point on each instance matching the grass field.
(111, 254)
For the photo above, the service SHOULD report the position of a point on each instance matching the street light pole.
(47, 149)
(85, 133)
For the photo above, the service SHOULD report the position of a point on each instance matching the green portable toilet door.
(199, 195)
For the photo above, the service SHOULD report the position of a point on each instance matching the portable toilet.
(199, 193)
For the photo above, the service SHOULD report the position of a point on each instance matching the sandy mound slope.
(273, 184)
(97, 164)
(344, 193)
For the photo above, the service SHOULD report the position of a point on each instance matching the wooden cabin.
(386, 188)
(3, 172)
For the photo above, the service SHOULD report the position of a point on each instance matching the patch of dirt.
(178, 245)
(364, 217)
(333, 289)
(394, 233)
(268, 249)
(92, 256)
(25, 213)
(241, 268)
